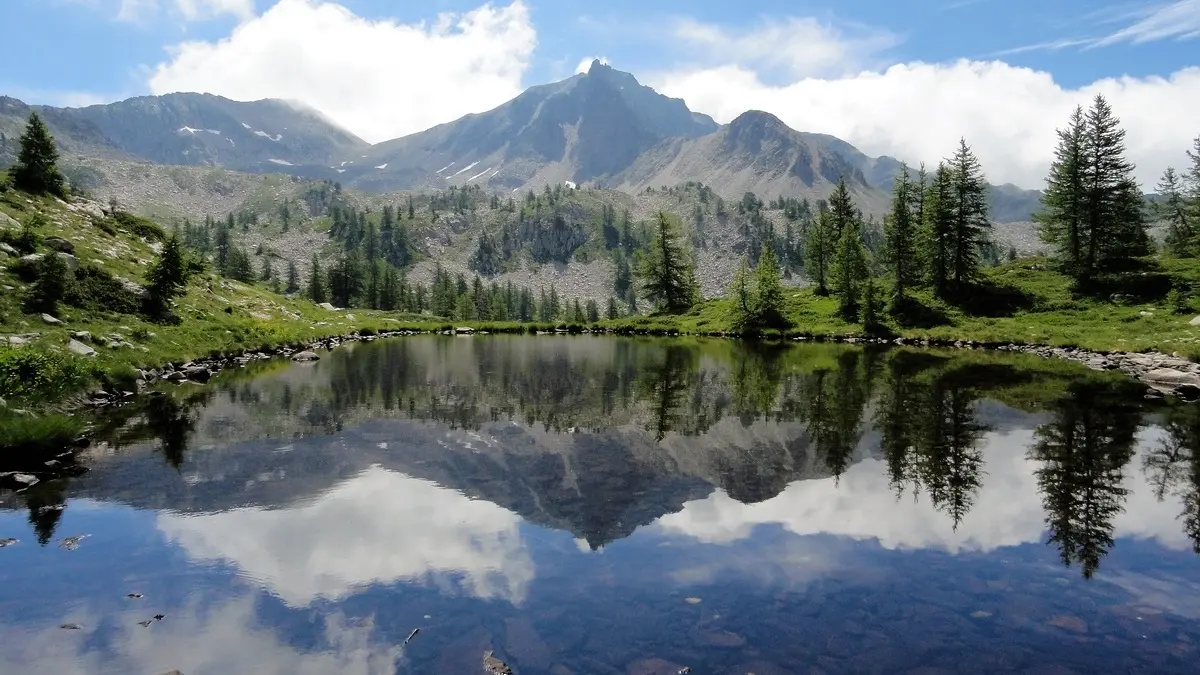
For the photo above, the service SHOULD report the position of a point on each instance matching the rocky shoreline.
(1163, 374)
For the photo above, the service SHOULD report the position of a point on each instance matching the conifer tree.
(1061, 221)
(293, 277)
(938, 229)
(901, 232)
(819, 246)
(168, 277)
(613, 312)
(1173, 209)
(741, 292)
(50, 286)
(769, 290)
(267, 273)
(971, 226)
(849, 268)
(36, 170)
(667, 276)
(593, 311)
(316, 282)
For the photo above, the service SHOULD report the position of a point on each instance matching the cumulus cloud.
(918, 111)
(379, 527)
(379, 79)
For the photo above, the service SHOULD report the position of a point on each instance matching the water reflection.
(564, 498)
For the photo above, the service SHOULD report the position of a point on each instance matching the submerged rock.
(305, 356)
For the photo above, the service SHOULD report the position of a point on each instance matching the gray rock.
(175, 376)
(464, 330)
(326, 305)
(6, 221)
(17, 340)
(1195, 321)
(1172, 381)
(25, 479)
(53, 321)
(59, 244)
(81, 335)
(9, 251)
(305, 356)
(77, 347)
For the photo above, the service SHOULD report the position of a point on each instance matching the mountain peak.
(598, 66)
(758, 119)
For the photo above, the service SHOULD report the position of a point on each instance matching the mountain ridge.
(601, 127)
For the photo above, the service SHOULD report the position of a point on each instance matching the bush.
(27, 373)
(97, 290)
(140, 226)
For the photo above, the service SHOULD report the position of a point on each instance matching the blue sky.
(821, 66)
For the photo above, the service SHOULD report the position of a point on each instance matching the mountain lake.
(602, 505)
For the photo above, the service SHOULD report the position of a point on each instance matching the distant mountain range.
(600, 128)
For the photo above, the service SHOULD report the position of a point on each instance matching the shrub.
(97, 290)
(140, 226)
(27, 373)
(27, 239)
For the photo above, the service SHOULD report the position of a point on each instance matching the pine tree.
(870, 307)
(1191, 186)
(293, 277)
(593, 311)
(849, 268)
(667, 276)
(1173, 209)
(819, 246)
(36, 170)
(267, 273)
(769, 290)
(613, 312)
(901, 232)
(168, 277)
(1115, 224)
(971, 226)
(316, 282)
(745, 303)
(1061, 221)
(938, 229)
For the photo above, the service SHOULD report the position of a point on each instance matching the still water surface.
(601, 505)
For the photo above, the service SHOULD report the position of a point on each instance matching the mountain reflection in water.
(603, 505)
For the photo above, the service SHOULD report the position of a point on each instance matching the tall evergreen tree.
(668, 277)
(316, 282)
(938, 228)
(820, 243)
(613, 312)
(769, 289)
(168, 277)
(293, 277)
(1174, 210)
(50, 286)
(971, 227)
(36, 170)
(901, 231)
(1061, 220)
(849, 268)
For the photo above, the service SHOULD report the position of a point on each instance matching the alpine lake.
(603, 505)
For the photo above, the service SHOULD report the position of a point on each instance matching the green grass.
(1026, 303)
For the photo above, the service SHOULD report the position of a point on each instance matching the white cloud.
(918, 111)
(139, 11)
(380, 79)
(379, 527)
(801, 46)
(1179, 20)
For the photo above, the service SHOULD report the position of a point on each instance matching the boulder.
(77, 347)
(59, 244)
(1195, 321)
(7, 221)
(1171, 380)
(17, 340)
(326, 305)
(53, 321)
(305, 356)
(464, 330)
(9, 251)
(83, 335)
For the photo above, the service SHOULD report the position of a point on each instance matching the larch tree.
(668, 278)
(849, 269)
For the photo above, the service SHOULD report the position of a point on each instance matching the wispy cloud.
(1178, 20)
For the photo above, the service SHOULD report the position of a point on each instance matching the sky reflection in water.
(586, 505)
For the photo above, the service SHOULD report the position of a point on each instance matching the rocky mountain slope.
(601, 127)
